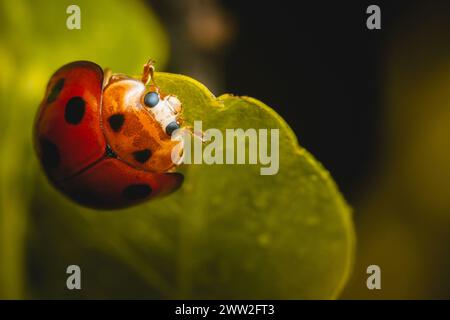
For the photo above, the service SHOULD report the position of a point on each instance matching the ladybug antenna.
(147, 75)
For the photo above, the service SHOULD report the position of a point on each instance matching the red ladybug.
(105, 140)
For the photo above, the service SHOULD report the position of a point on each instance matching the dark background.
(370, 105)
(318, 67)
(314, 62)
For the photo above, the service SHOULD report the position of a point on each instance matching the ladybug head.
(166, 110)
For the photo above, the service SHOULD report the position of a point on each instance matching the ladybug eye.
(151, 99)
(171, 127)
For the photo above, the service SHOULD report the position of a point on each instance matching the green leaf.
(229, 232)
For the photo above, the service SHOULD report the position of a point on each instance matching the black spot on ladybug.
(137, 191)
(109, 153)
(116, 121)
(56, 90)
(49, 154)
(74, 112)
(90, 198)
(142, 155)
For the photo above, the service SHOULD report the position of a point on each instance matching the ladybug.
(105, 140)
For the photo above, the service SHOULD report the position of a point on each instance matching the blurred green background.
(373, 107)
(34, 43)
(404, 219)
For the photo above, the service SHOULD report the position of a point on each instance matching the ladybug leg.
(195, 134)
(199, 135)
(147, 74)
(174, 104)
